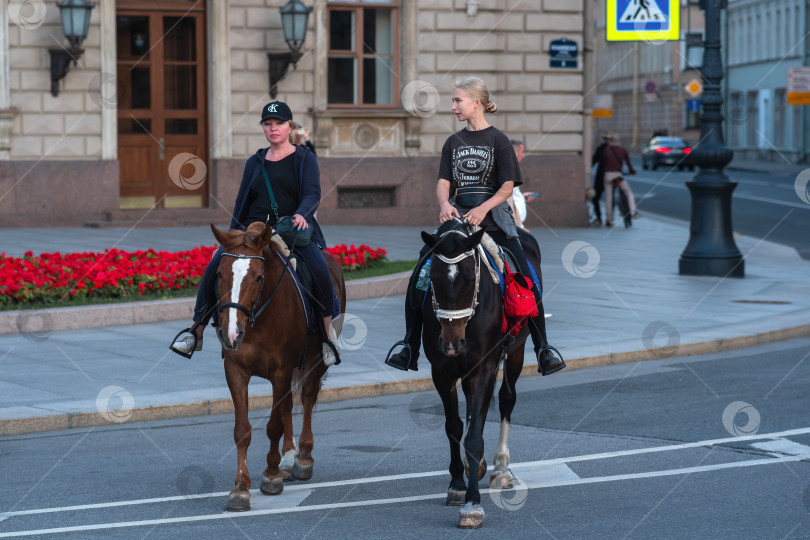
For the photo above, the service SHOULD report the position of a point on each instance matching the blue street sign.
(563, 53)
(693, 105)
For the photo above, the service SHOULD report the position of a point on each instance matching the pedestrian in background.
(518, 200)
(598, 180)
(613, 157)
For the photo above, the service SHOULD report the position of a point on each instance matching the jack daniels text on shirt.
(477, 164)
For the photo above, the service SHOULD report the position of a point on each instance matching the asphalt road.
(715, 446)
(764, 206)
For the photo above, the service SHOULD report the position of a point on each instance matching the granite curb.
(19, 426)
(40, 322)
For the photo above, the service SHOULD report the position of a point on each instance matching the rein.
(251, 313)
(451, 314)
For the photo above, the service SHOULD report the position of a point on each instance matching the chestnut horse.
(271, 343)
(463, 339)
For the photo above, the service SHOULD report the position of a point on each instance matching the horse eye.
(259, 278)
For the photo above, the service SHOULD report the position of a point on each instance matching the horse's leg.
(454, 429)
(311, 385)
(481, 388)
(501, 477)
(239, 497)
(272, 479)
(289, 451)
(482, 467)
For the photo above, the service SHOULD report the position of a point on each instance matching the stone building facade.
(153, 123)
(664, 68)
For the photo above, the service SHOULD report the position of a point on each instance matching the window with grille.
(779, 117)
(751, 118)
(736, 117)
(363, 53)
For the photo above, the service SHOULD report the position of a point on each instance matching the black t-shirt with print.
(479, 158)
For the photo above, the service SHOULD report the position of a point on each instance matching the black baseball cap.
(278, 110)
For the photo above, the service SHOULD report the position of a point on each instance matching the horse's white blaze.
(501, 460)
(452, 272)
(240, 268)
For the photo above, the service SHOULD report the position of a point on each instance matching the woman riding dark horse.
(479, 168)
(295, 177)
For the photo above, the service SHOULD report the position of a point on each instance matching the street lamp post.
(711, 250)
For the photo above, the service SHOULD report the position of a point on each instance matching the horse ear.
(219, 235)
(264, 238)
(474, 239)
(429, 239)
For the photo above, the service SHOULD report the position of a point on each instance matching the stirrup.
(400, 343)
(327, 344)
(548, 347)
(197, 343)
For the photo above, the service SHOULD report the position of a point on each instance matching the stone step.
(163, 217)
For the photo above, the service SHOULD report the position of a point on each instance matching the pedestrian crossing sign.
(642, 20)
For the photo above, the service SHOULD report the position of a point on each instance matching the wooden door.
(162, 123)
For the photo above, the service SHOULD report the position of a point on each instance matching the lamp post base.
(712, 266)
(711, 250)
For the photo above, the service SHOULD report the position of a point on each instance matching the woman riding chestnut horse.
(261, 322)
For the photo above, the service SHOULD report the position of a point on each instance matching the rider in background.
(296, 182)
(613, 156)
(477, 174)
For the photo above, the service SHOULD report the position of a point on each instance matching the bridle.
(251, 313)
(451, 314)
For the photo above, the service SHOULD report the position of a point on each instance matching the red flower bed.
(53, 278)
(356, 258)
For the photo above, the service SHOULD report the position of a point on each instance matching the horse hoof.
(301, 471)
(238, 501)
(286, 474)
(272, 486)
(471, 516)
(501, 480)
(455, 498)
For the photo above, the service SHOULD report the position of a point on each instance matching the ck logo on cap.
(272, 108)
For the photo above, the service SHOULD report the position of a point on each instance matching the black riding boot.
(547, 361)
(408, 355)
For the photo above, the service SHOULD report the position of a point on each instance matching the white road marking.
(400, 500)
(756, 198)
(780, 447)
(408, 476)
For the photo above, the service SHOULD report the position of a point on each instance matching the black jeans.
(599, 188)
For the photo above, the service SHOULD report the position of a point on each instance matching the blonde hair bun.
(475, 88)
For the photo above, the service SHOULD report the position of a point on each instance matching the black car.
(672, 151)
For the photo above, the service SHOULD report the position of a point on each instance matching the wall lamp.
(294, 17)
(75, 24)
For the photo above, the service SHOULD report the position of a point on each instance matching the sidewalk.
(615, 296)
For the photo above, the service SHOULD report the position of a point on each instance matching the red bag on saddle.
(518, 300)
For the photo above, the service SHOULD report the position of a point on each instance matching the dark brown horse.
(463, 340)
(263, 332)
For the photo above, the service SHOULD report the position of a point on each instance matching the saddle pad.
(302, 276)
